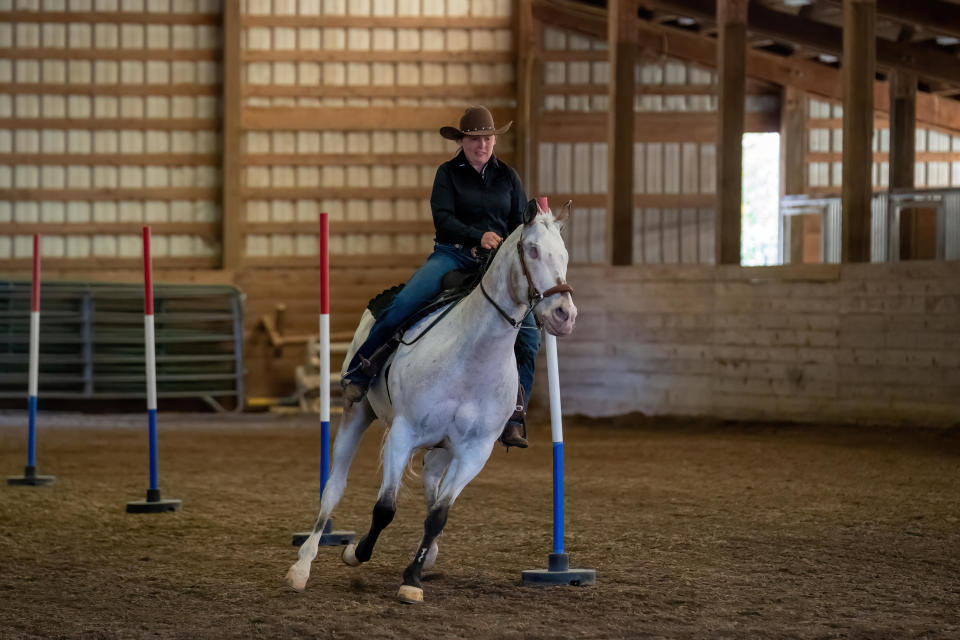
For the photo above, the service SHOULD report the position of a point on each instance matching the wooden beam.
(51, 53)
(369, 22)
(793, 141)
(480, 93)
(526, 61)
(859, 50)
(649, 126)
(110, 124)
(112, 194)
(348, 119)
(338, 55)
(731, 56)
(42, 88)
(109, 17)
(903, 127)
(112, 159)
(208, 230)
(622, 50)
(233, 214)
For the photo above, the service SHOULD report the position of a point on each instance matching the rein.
(534, 297)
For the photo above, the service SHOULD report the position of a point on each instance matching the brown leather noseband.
(534, 297)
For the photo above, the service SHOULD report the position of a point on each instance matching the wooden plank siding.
(109, 121)
(341, 111)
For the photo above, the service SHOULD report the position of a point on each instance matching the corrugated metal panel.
(832, 225)
(878, 228)
(951, 226)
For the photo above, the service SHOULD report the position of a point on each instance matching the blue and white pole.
(154, 503)
(328, 538)
(30, 476)
(558, 571)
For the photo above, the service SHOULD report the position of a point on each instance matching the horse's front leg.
(463, 468)
(353, 424)
(396, 454)
(435, 464)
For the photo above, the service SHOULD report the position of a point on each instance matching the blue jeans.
(422, 286)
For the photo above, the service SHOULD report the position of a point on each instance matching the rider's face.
(478, 149)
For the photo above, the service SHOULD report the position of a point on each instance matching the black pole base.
(559, 572)
(153, 504)
(328, 538)
(30, 478)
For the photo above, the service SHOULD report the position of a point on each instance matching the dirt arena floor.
(696, 529)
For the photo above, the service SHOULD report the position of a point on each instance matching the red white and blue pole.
(329, 537)
(30, 476)
(34, 366)
(153, 503)
(558, 571)
(324, 350)
(150, 352)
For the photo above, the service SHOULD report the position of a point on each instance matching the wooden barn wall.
(937, 151)
(806, 343)
(674, 148)
(108, 121)
(342, 101)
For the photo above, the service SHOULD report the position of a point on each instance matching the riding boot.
(515, 432)
(356, 381)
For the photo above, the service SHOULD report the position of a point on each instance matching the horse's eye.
(534, 252)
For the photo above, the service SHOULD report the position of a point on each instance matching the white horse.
(450, 393)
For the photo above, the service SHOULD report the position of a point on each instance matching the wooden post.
(731, 64)
(232, 213)
(793, 149)
(793, 141)
(622, 37)
(903, 127)
(526, 59)
(859, 53)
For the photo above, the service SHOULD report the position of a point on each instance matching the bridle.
(534, 297)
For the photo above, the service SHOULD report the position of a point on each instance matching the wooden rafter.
(807, 75)
(922, 59)
(935, 15)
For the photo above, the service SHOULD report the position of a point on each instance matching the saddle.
(455, 286)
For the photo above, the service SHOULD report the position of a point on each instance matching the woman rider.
(477, 201)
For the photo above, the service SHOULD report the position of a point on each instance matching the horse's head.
(544, 268)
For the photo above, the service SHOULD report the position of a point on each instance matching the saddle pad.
(464, 284)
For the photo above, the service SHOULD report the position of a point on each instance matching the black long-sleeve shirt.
(467, 204)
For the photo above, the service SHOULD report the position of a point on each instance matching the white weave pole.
(558, 571)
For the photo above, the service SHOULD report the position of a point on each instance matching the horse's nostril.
(561, 313)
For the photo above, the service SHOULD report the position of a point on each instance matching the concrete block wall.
(869, 343)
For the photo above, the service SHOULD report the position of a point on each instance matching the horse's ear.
(530, 214)
(564, 215)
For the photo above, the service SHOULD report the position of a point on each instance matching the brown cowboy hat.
(476, 121)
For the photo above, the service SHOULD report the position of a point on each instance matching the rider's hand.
(490, 240)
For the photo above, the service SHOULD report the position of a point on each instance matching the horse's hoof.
(410, 595)
(295, 579)
(349, 556)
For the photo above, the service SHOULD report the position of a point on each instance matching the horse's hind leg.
(435, 464)
(463, 468)
(353, 424)
(396, 454)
